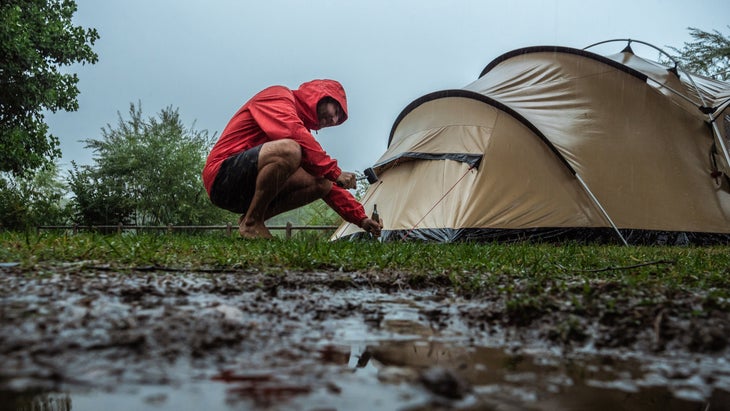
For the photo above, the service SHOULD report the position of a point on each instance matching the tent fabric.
(570, 145)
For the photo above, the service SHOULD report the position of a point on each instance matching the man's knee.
(284, 151)
(291, 149)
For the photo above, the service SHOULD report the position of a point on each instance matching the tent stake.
(600, 207)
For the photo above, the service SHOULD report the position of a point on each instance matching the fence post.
(76, 229)
(120, 226)
(229, 229)
(288, 229)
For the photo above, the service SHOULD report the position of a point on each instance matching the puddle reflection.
(391, 357)
(415, 374)
(33, 401)
(538, 382)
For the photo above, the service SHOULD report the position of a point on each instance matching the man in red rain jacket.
(267, 162)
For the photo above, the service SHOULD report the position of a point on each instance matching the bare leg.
(278, 161)
(301, 189)
(289, 200)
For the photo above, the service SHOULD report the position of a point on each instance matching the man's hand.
(371, 226)
(346, 180)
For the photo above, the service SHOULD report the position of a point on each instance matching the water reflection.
(34, 401)
(496, 376)
(423, 373)
(389, 356)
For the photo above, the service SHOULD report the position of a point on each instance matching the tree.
(98, 199)
(708, 54)
(29, 201)
(12, 207)
(45, 196)
(147, 172)
(37, 37)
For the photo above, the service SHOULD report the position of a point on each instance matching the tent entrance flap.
(473, 160)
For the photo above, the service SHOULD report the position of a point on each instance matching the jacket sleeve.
(345, 205)
(277, 117)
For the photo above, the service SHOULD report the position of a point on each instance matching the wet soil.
(86, 336)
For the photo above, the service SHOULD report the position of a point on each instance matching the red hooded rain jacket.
(278, 113)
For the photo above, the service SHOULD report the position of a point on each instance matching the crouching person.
(267, 162)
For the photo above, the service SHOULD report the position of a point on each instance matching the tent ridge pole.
(600, 207)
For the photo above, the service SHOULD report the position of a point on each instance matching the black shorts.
(235, 183)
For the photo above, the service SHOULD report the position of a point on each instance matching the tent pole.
(600, 207)
(721, 141)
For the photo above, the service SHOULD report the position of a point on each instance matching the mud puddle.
(75, 338)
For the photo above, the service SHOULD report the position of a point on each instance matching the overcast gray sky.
(207, 57)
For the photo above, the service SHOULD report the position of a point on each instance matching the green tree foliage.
(29, 201)
(146, 172)
(708, 54)
(98, 199)
(12, 207)
(37, 37)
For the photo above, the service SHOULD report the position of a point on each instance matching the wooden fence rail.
(289, 228)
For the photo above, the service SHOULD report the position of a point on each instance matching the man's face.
(329, 114)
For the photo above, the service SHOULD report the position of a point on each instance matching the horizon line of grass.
(467, 264)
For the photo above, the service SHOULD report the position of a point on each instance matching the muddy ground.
(87, 336)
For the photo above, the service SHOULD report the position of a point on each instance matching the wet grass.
(624, 288)
(530, 270)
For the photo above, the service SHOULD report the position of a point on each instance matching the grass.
(470, 266)
(616, 285)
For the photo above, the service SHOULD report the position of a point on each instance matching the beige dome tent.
(556, 143)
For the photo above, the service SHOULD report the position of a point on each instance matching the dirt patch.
(308, 339)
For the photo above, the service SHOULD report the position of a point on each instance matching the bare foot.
(253, 230)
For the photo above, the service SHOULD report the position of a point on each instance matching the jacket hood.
(308, 95)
